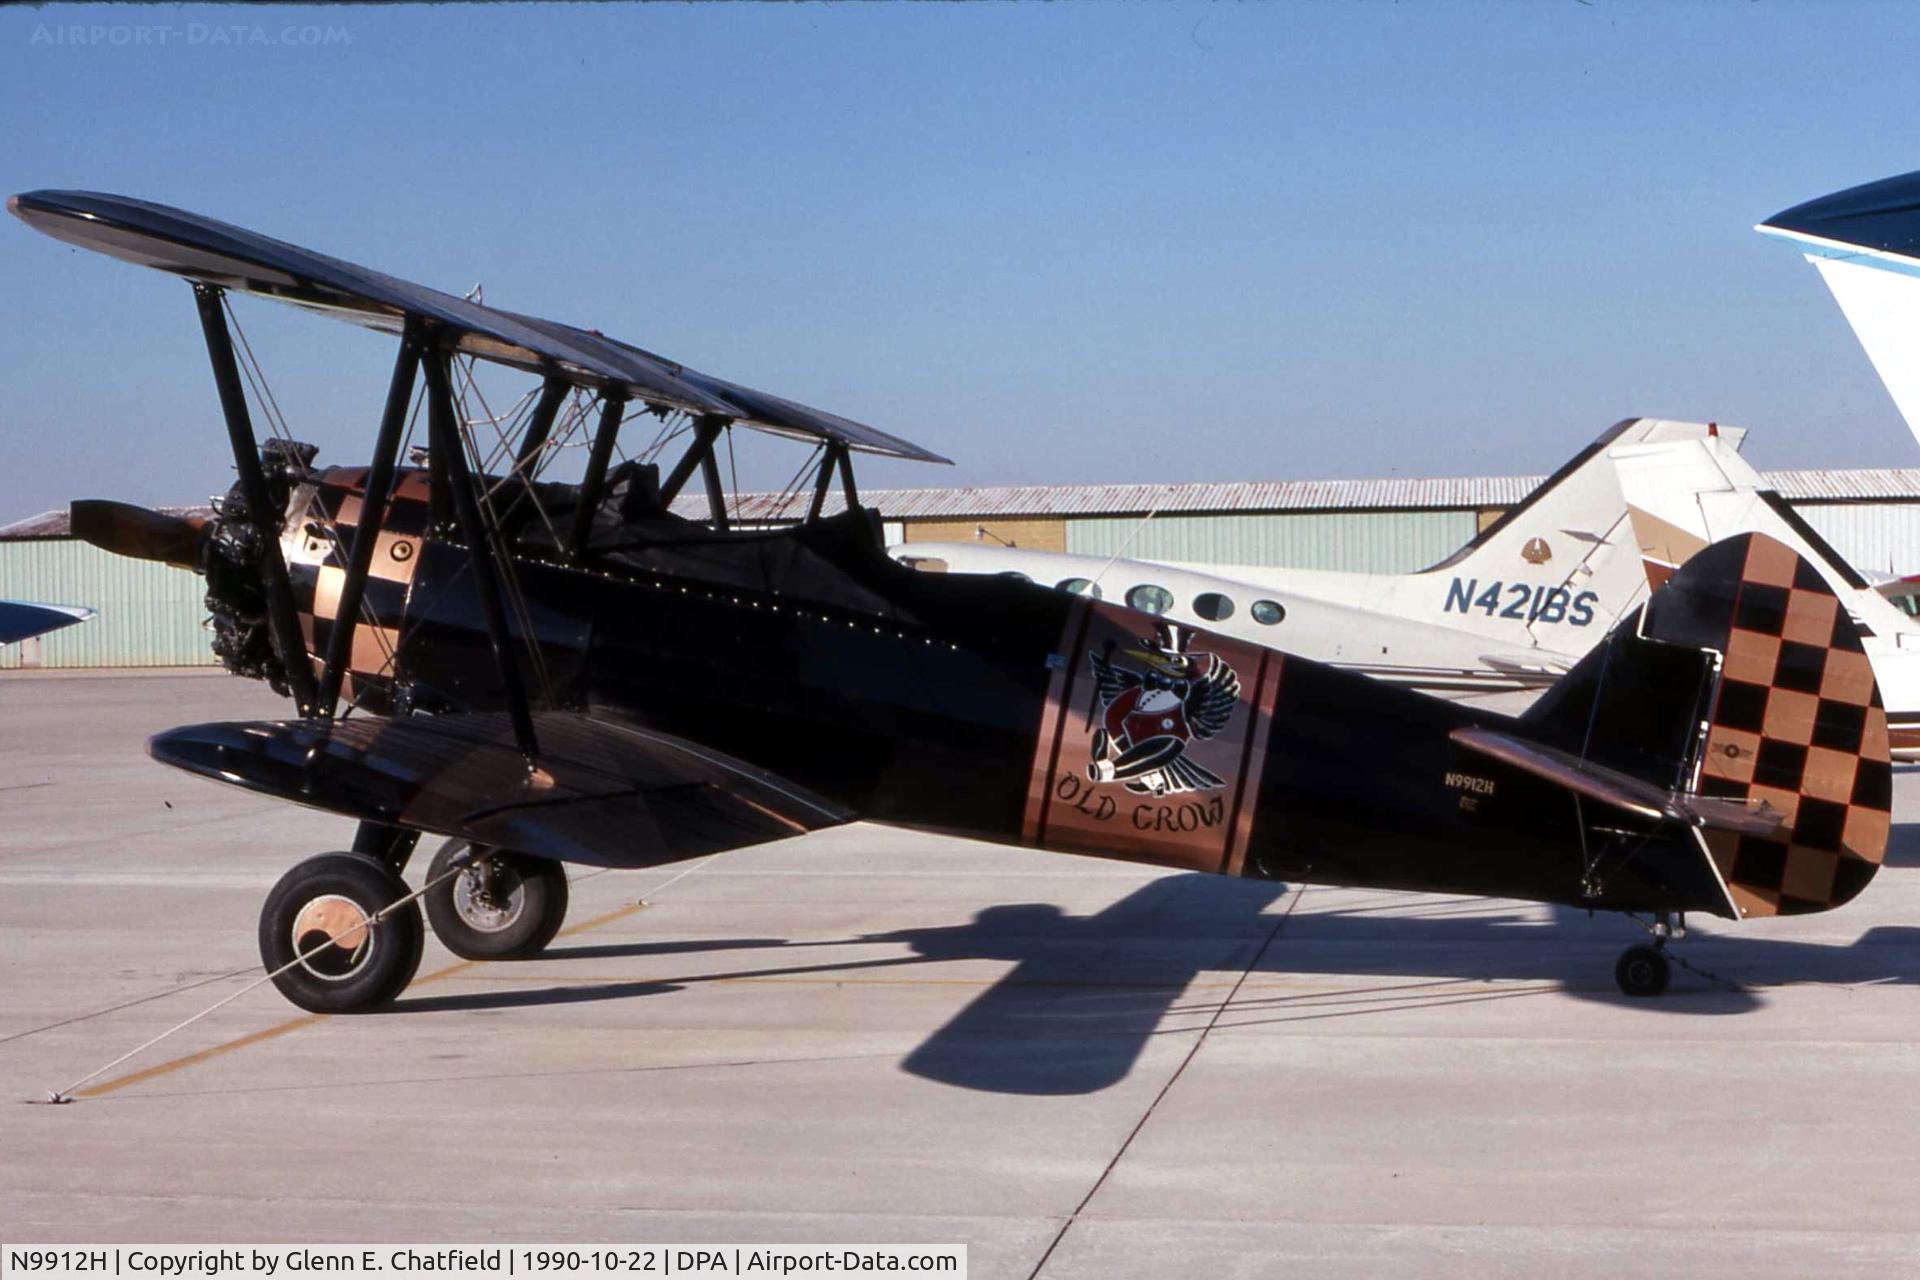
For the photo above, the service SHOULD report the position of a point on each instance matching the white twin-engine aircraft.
(1501, 618)
(1498, 620)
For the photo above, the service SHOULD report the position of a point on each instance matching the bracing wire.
(673, 424)
(502, 554)
(262, 392)
(791, 489)
(1138, 529)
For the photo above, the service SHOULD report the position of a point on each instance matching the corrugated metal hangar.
(150, 615)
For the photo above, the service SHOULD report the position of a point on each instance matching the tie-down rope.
(61, 1096)
(66, 1095)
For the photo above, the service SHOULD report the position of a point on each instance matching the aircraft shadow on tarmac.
(1087, 994)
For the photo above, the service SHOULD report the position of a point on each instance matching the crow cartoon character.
(1147, 717)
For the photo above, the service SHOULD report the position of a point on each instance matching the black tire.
(336, 894)
(1641, 971)
(503, 906)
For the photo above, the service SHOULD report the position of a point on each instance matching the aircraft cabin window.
(1212, 606)
(1148, 598)
(1079, 587)
(1268, 612)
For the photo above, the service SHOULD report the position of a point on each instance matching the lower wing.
(602, 792)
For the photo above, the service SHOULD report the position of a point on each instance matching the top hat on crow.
(1169, 652)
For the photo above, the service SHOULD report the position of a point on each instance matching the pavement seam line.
(1192, 1051)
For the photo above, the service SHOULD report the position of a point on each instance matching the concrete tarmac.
(1077, 1068)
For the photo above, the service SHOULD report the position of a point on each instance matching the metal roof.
(1136, 499)
(1886, 484)
(1447, 494)
(1879, 484)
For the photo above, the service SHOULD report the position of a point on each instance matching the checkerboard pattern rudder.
(1795, 724)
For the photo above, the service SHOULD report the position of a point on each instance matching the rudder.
(1795, 723)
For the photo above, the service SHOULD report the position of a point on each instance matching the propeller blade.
(127, 530)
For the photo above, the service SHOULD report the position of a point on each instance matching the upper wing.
(604, 793)
(218, 253)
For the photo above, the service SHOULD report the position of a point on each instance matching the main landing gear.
(1643, 970)
(341, 932)
(499, 905)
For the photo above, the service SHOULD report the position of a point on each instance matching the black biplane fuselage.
(572, 672)
(967, 705)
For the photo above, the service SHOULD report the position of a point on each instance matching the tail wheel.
(320, 924)
(1641, 971)
(501, 906)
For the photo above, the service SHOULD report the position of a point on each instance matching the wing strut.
(595, 481)
(716, 495)
(449, 454)
(837, 455)
(706, 430)
(847, 491)
(552, 394)
(373, 514)
(282, 622)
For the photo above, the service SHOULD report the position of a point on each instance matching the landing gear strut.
(1643, 970)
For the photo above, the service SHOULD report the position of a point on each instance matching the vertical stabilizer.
(1564, 562)
(1741, 703)
(1795, 725)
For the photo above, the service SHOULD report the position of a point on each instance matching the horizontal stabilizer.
(1610, 786)
(603, 792)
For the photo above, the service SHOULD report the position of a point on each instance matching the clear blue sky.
(1056, 242)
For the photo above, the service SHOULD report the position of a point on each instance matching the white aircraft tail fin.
(1682, 499)
(1865, 241)
(1566, 555)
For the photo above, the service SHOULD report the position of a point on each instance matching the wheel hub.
(489, 895)
(343, 931)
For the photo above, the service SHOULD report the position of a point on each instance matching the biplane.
(541, 671)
